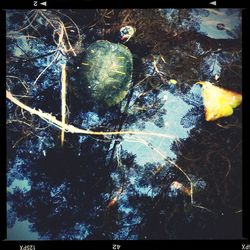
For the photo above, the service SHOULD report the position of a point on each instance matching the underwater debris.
(179, 186)
(115, 199)
(220, 26)
(198, 185)
(218, 102)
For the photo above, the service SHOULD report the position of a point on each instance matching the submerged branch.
(72, 129)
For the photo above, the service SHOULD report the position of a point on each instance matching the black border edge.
(3, 157)
(245, 125)
(76, 4)
(204, 244)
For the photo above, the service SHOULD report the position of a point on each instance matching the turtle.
(107, 71)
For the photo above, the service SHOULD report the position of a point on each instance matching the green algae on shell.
(107, 71)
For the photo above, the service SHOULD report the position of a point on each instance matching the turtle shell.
(107, 71)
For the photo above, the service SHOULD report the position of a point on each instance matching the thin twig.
(63, 100)
(21, 139)
(30, 22)
(57, 54)
(22, 82)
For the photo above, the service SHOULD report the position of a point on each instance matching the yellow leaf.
(218, 102)
(172, 81)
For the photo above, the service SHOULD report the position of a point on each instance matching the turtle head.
(126, 33)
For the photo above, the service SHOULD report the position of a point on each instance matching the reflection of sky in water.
(176, 110)
(208, 24)
(21, 184)
(213, 64)
(21, 231)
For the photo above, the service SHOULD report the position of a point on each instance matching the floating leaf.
(218, 102)
(172, 81)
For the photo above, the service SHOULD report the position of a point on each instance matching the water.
(230, 18)
(120, 187)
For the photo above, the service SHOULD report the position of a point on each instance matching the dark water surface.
(124, 186)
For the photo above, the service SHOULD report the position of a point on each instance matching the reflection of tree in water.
(92, 188)
(70, 196)
(67, 189)
(218, 161)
